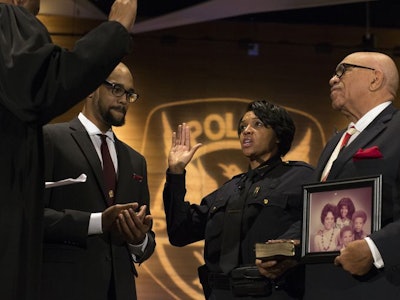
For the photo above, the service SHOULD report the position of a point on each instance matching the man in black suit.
(38, 81)
(90, 245)
(363, 88)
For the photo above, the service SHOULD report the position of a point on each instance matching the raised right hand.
(181, 152)
(124, 12)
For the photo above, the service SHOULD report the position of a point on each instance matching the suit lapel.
(364, 139)
(80, 135)
(124, 169)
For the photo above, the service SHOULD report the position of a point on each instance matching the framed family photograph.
(336, 213)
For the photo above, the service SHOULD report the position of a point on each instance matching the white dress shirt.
(360, 126)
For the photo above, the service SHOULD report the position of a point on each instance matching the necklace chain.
(330, 240)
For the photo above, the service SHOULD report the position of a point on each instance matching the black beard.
(112, 121)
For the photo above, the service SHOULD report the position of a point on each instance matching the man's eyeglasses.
(342, 68)
(118, 90)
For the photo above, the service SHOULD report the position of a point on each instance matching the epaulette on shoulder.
(298, 163)
(238, 175)
(234, 178)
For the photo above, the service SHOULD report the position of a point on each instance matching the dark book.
(274, 250)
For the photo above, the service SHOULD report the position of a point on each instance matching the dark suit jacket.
(324, 281)
(78, 266)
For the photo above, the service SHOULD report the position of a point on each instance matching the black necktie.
(108, 171)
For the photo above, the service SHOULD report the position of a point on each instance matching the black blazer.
(78, 266)
(324, 281)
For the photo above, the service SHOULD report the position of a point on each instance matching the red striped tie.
(350, 131)
(347, 136)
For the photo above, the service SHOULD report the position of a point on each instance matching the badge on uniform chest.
(256, 190)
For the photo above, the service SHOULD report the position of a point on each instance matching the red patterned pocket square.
(137, 177)
(368, 153)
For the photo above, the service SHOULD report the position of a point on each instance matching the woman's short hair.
(278, 119)
(326, 209)
(359, 214)
(349, 204)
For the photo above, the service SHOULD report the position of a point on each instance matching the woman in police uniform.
(263, 204)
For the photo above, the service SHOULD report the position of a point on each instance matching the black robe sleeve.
(40, 80)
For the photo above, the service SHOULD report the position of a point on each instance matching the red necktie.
(347, 136)
(108, 171)
(352, 130)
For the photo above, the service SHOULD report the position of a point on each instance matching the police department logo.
(213, 123)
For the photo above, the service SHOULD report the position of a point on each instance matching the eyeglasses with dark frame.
(342, 68)
(118, 90)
